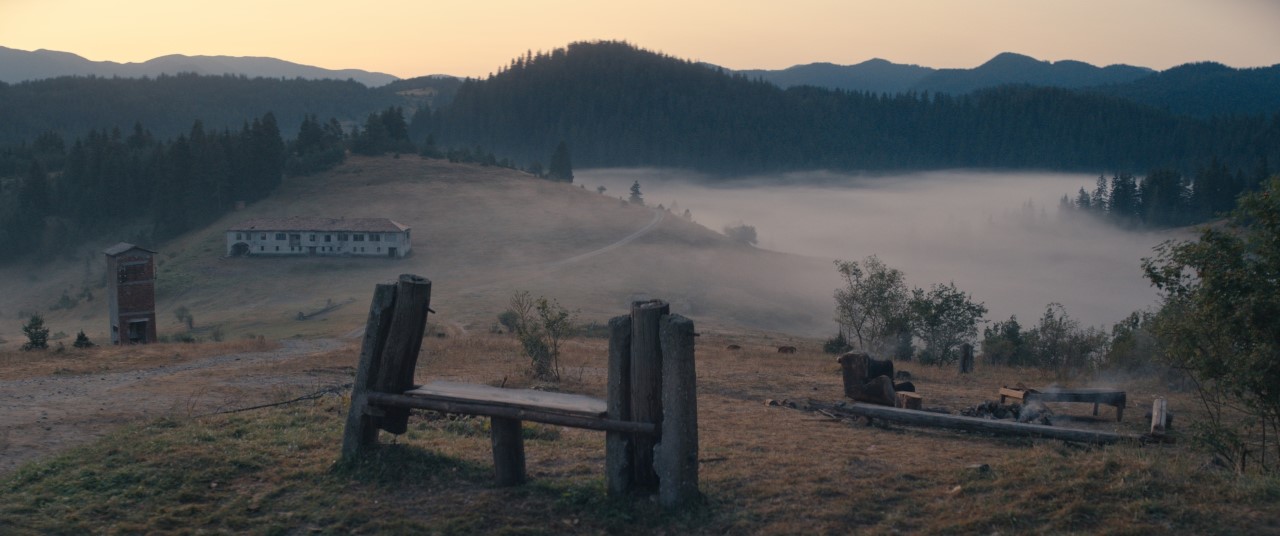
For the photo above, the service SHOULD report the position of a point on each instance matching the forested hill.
(72, 106)
(617, 105)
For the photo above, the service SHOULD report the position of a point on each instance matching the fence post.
(617, 445)
(362, 427)
(646, 387)
(676, 460)
(404, 341)
(1158, 409)
(966, 358)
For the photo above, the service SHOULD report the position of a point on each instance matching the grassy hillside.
(479, 233)
(764, 469)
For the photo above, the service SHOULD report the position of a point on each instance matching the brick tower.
(131, 293)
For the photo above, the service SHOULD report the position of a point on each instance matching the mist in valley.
(999, 236)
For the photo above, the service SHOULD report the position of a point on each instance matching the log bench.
(650, 416)
(507, 409)
(1110, 397)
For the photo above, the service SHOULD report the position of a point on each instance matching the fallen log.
(973, 424)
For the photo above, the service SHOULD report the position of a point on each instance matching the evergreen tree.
(560, 169)
(37, 334)
(636, 197)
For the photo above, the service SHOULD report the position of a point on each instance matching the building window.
(262, 248)
(342, 237)
(238, 237)
(279, 236)
(277, 248)
(328, 238)
(313, 238)
(295, 237)
(263, 237)
(375, 237)
(358, 238)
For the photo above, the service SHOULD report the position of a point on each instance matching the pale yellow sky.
(473, 38)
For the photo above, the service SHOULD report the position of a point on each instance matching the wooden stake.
(646, 387)
(617, 445)
(1158, 409)
(400, 354)
(508, 451)
(676, 459)
(361, 429)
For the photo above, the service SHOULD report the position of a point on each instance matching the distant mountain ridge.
(882, 76)
(20, 65)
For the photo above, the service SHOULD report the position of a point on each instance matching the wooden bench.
(1110, 397)
(649, 418)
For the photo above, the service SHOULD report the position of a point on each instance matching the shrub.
(37, 334)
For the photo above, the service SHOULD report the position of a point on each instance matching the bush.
(837, 345)
(82, 341)
(37, 334)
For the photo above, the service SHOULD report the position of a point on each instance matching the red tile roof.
(354, 225)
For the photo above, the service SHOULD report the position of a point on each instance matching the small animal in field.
(733, 347)
(786, 349)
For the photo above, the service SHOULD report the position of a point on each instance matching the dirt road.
(44, 415)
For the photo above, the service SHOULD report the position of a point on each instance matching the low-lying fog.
(998, 235)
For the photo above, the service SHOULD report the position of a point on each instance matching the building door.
(391, 252)
(311, 250)
(137, 331)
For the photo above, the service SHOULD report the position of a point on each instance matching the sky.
(410, 38)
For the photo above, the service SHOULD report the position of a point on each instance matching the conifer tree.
(636, 197)
(560, 169)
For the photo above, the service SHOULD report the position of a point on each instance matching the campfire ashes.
(1032, 412)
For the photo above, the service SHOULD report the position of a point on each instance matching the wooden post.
(1158, 409)
(508, 451)
(966, 358)
(404, 341)
(617, 445)
(362, 429)
(646, 387)
(676, 459)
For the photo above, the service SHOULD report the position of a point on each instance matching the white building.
(352, 237)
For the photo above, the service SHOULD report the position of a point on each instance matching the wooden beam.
(973, 424)
(646, 386)
(362, 429)
(676, 460)
(508, 451)
(404, 341)
(618, 457)
(572, 404)
(573, 421)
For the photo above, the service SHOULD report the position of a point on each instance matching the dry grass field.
(764, 469)
(149, 439)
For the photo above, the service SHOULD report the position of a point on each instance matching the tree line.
(112, 180)
(622, 106)
(1167, 198)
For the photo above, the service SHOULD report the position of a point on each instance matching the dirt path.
(45, 415)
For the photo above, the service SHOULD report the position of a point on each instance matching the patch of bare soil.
(46, 414)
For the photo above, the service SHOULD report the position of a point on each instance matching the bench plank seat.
(566, 403)
(1110, 397)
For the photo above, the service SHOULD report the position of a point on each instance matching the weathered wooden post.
(388, 357)
(362, 427)
(646, 387)
(618, 460)
(1158, 409)
(676, 459)
(966, 358)
(508, 451)
(403, 342)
